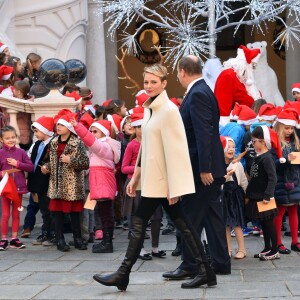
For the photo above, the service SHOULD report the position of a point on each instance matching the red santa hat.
(267, 112)
(74, 95)
(9, 190)
(234, 114)
(175, 101)
(88, 106)
(124, 121)
(272, 141)
(289, 117)
(65, 121)
(246, 116)
(103, 125)
(137, 109)
(60, 113)
(115, 122)
(250, 55)
(141, 97)
(137, 119)
(296, 87)
(2, 47)
(106, 103)
(225, 140)
(6, 72)
(44, 124)
(86, 120)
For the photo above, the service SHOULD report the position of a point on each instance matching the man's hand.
(206, 178)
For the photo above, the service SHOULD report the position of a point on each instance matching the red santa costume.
(235, 83)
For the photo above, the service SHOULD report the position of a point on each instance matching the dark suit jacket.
(200, 115)
(37, 181)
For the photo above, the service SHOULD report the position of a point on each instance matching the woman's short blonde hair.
(157, 70)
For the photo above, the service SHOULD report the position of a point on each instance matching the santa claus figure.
(235, 83)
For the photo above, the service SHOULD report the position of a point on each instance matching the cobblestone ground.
(39, 272)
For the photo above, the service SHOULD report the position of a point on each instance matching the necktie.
(39, 154)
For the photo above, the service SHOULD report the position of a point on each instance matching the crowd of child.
(90, 154)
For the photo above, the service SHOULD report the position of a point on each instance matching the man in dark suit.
(200, 115)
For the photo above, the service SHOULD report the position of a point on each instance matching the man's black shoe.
(179, 274)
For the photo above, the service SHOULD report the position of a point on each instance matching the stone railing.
(46, 106)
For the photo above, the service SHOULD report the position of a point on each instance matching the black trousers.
(48, 226)
(204, 210)
(147, 207)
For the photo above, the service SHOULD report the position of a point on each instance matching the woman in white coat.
(163, 173)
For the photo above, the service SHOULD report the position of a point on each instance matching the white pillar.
(292, 69)
(95, 55)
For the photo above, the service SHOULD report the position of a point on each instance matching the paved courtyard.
(39, 272)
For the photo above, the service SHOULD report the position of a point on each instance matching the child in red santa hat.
(296, 91)
(67, 162)
(287, 191)
(261, 188)
(233, 197)
(13, 161)
(37, 182)
(131, 203)
(104, 154)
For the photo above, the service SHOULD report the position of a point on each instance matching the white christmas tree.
(192, 26)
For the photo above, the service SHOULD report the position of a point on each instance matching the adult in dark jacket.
(200, 115)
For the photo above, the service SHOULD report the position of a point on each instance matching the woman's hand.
(12, 162)
(131, 187)
(44, 170)
(206, 178)
(173, 201)
(265, 201)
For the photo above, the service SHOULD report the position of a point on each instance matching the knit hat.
(296, 87)
(267, 112)
(5, 72)
(106, 103)
(272, 141)
(86, 120)
(103, 125)
(65, 121)
(246, 116)
(115, 122)
(250, 55)
(123, 122)
(137, 119)
(225, 140)
(141, 97)
(88, 106)
(2, 47)
(74, 95)
(44, 124)
(234, 114)
(289, 117)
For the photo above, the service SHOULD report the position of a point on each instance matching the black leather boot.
(205, 273)
(120, 278)
(177, 250)
(106, 245)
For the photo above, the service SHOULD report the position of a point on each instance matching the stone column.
(95, 55)
(292, 68)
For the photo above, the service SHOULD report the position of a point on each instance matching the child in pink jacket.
(104, 154)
